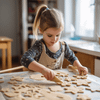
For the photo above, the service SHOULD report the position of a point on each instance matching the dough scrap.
(74, 90)
(83, 97)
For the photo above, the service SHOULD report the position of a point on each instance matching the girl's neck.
(54, 48)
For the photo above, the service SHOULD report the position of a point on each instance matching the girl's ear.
(40, 30)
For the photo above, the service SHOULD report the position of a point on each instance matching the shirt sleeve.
(32, 54)
(69, 54)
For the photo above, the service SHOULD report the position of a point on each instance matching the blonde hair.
(47, 18)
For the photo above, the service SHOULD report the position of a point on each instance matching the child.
(48, 53)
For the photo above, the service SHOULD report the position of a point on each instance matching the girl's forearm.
(77, 63)
(35, 66)
(80, 67)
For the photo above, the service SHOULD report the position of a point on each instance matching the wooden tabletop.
(95, 82)
(5, 39)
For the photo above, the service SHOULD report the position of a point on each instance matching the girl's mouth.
(52, 42)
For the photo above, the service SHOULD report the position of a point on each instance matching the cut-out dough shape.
(17, 78)
(70, 79)
(28, 94)
(55, 88)
(22, 90)
(4, 89)
(1, 81)
(11, 94)
(54, 95)
(83, 97)
(37, 77)
(19, 97)
(82, 82)
(38, 95)
(12, 82)
(63, 96)
(80, 76)
(61, 74)
(74, 90)
(64, 83)
(72, 69)
(34, 92)
(93, 89)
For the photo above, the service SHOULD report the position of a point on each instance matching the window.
(85, 19)
(84, 16)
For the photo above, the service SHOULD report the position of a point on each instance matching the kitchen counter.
(91, 48)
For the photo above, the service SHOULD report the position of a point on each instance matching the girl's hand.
(82, 69)
(48, 74)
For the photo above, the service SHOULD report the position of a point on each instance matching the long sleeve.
(32, 54)
(69, 54)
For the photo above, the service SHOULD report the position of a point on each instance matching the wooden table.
(5, 43)
(95, 81)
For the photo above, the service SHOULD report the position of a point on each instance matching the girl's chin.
(50, 44)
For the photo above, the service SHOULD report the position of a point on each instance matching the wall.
(9, 23)
(61, 7)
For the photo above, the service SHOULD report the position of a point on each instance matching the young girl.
(48, 53)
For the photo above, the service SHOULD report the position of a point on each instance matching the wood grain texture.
(86, 60)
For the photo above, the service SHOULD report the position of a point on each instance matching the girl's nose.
(54, 38)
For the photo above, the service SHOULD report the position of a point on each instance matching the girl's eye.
(57, 35)
(49, 35)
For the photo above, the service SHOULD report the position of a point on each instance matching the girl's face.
(51, 36)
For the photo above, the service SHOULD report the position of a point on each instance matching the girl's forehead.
(53, 30)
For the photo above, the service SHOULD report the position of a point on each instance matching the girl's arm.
(30, 58)
(70, 56)
(80, 67)
(48, 73)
